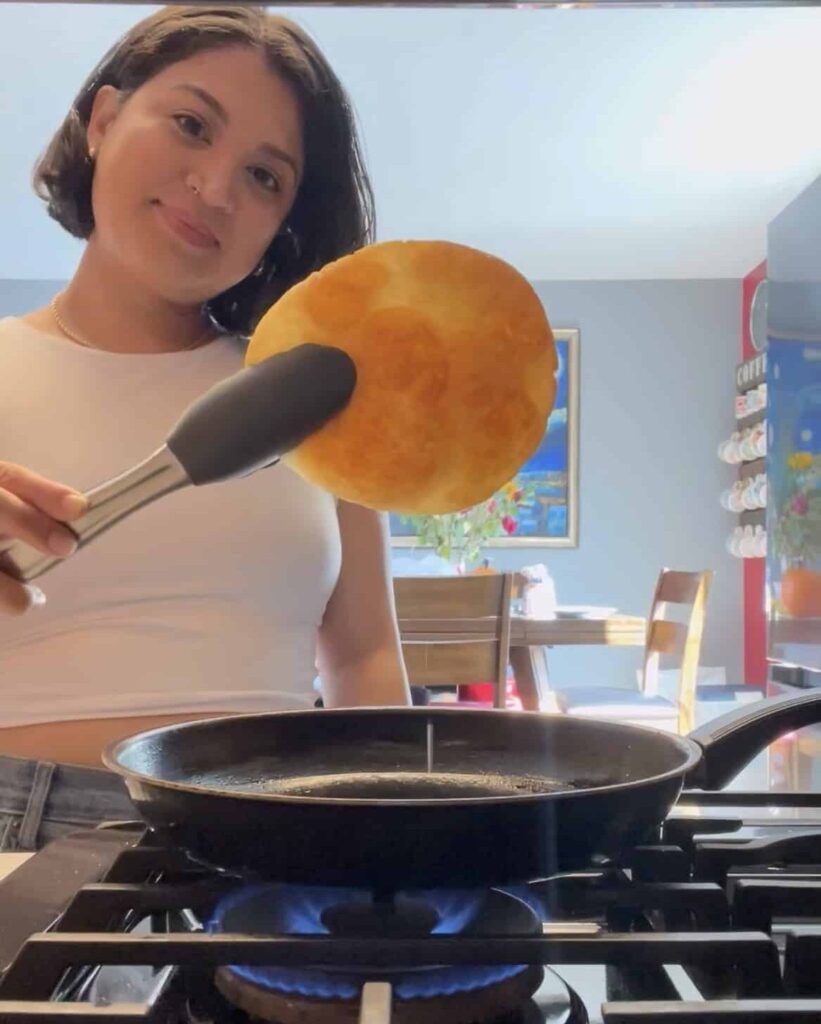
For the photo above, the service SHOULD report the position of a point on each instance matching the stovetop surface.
(719, 920)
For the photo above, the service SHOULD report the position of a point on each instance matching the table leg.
(529, 670)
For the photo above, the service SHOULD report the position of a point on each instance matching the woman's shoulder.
(29, 325)
(225, 348)
(12, 323)
(16, 329)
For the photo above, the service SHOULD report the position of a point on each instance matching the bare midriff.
(82, 742)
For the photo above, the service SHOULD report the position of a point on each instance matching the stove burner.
(494, 1002)
(452, 994)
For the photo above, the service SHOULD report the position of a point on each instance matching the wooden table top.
(616, 630)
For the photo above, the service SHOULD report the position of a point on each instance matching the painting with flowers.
(539, 507)
(794, 493)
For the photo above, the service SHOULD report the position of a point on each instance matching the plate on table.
(584, 611)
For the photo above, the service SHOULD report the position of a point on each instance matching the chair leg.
(520, 662)
(529, 666)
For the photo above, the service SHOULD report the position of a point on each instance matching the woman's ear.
(104, 110)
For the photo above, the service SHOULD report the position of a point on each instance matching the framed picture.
(551, 518)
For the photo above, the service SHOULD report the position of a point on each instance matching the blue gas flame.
(298, 910)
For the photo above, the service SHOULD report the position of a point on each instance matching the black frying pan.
(390, 798)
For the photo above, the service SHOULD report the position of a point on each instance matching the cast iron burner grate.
(683, 932)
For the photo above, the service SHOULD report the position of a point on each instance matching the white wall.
(579, 145)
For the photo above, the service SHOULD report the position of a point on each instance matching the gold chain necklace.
(78, 340)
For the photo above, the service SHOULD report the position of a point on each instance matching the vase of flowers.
(460, 536)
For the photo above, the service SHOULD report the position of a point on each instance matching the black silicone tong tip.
(249, 420)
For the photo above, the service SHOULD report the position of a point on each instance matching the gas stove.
(718, 921)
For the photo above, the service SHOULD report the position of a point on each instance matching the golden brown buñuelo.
(456, 369)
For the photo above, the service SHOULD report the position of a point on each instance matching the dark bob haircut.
(333, 211)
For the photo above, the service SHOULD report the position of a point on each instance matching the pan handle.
(730, 742)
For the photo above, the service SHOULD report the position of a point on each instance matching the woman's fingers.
(32, 509)
(16, 598)
(22, 521)
(56, 500)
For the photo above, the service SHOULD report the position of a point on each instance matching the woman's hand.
(33, 509)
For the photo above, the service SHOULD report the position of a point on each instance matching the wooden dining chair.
(666, 637)
(471, 617)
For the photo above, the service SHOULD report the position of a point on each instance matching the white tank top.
(207, 600)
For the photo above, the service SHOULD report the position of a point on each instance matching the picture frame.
(551, 520)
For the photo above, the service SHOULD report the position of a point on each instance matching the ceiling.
(577, 144)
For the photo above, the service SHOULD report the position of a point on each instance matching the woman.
(210, 161)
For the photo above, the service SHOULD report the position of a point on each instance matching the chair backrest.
(470, 616)
(679, 639)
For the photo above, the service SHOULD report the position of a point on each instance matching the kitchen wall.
(657, 386)
(657, 373)
(19, 296)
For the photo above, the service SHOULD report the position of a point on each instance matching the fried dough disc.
(455, 366)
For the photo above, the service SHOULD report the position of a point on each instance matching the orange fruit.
(801, 592)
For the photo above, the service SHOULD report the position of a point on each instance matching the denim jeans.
(40, 801)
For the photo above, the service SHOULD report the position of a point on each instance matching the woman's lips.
(190, 231)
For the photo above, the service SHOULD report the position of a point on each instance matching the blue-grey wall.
(657, 388)
(21, 296)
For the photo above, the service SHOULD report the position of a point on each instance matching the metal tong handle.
(109, 502)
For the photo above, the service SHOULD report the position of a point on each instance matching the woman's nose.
(213, 183)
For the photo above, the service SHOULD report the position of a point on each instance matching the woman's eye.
(267, 179)
(190, 125)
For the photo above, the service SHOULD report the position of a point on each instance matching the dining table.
(531, 636)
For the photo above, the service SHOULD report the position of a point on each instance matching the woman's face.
(195, 172)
